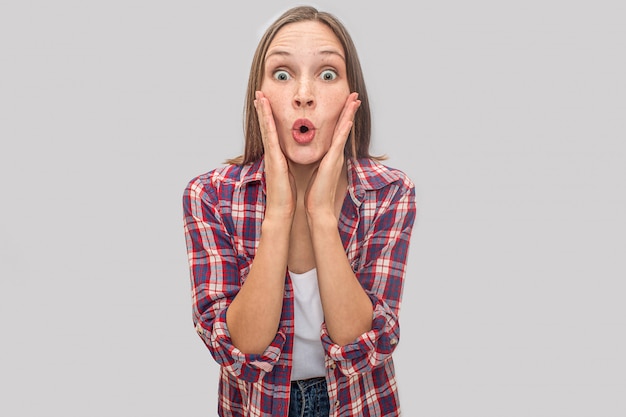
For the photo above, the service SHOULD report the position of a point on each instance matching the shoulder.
(224, 179)
(373, 175)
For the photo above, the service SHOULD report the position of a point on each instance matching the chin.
(299, 158)
(304, 162)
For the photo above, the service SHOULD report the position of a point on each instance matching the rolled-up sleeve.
(381, 271)
(215, 281)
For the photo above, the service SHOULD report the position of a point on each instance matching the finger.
(352, 97)
(347, 116)
(345, 122)
(266, 120)
(261, 110)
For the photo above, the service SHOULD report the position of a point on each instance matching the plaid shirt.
(223, 212)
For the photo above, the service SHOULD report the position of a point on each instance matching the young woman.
(298, 248)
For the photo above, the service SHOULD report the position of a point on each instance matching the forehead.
(307, 34)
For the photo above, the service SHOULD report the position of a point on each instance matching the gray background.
(509, 117)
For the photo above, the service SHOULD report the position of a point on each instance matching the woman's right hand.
(280, 185)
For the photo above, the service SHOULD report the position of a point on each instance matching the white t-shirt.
(308, 353)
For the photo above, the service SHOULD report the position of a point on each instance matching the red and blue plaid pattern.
(223, 212)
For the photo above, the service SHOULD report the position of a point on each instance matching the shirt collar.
(363, 175)
(254, 172)
(367, 175)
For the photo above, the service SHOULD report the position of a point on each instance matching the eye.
(281, 75)
(328, 75)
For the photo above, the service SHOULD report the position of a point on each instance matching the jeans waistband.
(309, 382)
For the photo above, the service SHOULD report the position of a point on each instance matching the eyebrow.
(282, 52)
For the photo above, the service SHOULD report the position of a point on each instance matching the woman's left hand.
(321, 192)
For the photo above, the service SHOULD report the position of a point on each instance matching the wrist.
(279, 213)
(277, 223)
(322, 221)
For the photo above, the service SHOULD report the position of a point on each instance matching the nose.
(304, 97)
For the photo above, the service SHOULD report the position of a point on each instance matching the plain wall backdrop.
(508, 115)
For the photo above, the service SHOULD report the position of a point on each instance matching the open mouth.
(303, 131)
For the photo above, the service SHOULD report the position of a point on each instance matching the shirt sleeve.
(215, 281)
(381, 273)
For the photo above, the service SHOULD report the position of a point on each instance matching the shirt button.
(393, 341)
(333, 366)
(337, 403)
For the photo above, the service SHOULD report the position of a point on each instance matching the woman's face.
(306, 84)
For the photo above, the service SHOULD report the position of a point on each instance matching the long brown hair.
(358, 143)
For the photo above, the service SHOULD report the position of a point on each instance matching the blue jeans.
(309, 398)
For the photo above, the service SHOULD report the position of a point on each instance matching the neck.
(302, 175)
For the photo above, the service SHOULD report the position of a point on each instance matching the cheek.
(336, 104)
(275, 97)
(269, 92)
(338, 98)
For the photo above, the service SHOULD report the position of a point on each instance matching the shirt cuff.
(369, 350)
(249, 367)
